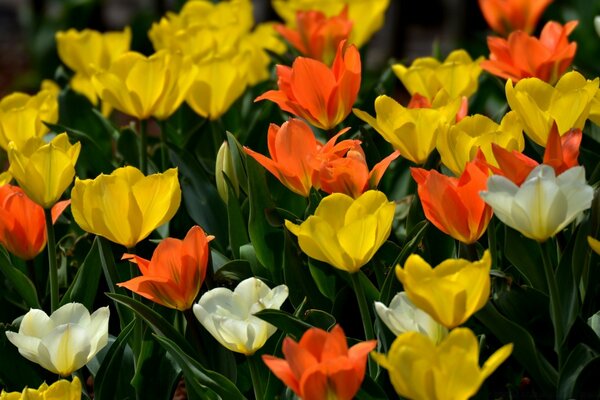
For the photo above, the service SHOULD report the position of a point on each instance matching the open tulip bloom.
(59, 390)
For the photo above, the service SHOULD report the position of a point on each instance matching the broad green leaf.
(112, 380)
(86, 278)
(291, 325)
(18, 280)
(578, 359)
(525, 256)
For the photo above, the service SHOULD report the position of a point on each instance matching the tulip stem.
(143, 146)
(257, 383)
(53, 267)
(365, 316)
(555, 306)
(163, 147)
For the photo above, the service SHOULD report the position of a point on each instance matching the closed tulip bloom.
(506, 16)
(59, 390)
(451, 292)
(457, 75)
(22, 222)
(145, 87)
(539, 104)
(524, 56)
(321, 95)
(321, 366)
(229, 316)
(403, 316)
(176, 271)
(317, 36)
(544, 204)
(22, 116)
(421, 370)
(411, 131)
(125, 206)
(459, 144)
(367, 16)
(44, 170)
(346, 232)
(64, 341)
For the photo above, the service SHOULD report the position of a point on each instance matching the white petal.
(65, 349)
(36, 323)
(27, 345)
(71, 313)
(98, 331)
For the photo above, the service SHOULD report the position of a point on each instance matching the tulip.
(22, 222)
(594, 244)
(544, 204)
(44, 170)
(125, 206)
(316, 93)
(224, 168)
(346, 232)
(403, 316)
(538, 104)
(457, 76)
(229, 316)
(83, 51)
(523, 56)
(458, 145)
(64, 341)
(367, 16)
(59, 390)
(320, 365)
(505, 16)
(411, 131)
(176, 271)
(421, 370)
(146, 86)
(317, 36)
(451, 292)
(22, 116)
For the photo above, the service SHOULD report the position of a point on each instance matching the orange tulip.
(176, 271)
(22, 222)
(561, 154)
(452, 204)
(524, 56)
(505, 16)
(321, 366)
(321, 95)
(317, 36)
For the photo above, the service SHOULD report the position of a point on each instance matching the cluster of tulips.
(329, 251)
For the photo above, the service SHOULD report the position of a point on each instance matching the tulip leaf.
(128, 146)
(232, 272)
(86, 278)
(19, 281)
(201, 382)
(522, 253)
(248, 253)
(112, 277)
(580, 357)
(156, 373)
(326, 278)
(112, 380)
(291, 325)
(320, 319)
(16, 371)
(238, 157)
(238, 235)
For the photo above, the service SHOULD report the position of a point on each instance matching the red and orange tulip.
(505, 16)
(317, 36)
(22, 222)
(320, 365)
(524, 56)
(452, 204)
(321, 95)
(176, 271)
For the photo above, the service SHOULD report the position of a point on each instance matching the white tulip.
(597, 24)
(63, 342)
(228, 316)
(544, 204)
(403, 316)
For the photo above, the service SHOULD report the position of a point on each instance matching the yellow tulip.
(59, 390)
(412, 131)
(458, 145)
(146, 86)
(538, 104)
(22, 115)
(367, 16)
(125, 206)
(87, 50)
(44, 170)
(346, 232)
(594, 244)
(457, 76)
(421, 370)
(450, 292)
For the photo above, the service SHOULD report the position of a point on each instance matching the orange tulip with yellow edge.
(321, 95)
(452, 291)
(506, 16)
(320, 365)
(176, 271)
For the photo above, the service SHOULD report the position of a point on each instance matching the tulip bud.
(224, 166)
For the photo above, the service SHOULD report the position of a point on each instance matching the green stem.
(492, 243)
(365, 316)
(254, 362)
(555, 306)
(52, 264)
(143, 146)
(163, 142)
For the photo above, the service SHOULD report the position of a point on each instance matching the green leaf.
(19, 281)
(15, 370)
(156, 373)
(291, 325)
(238, 235)
(128, 146)
(578, 359)
(248, 253)
(112, 277)
(234, 271)
(522, 253)
(326, 278)
(203, 383)
(87, 277)
(238, 157)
